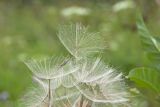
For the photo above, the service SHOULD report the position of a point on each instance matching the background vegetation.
(29, 28)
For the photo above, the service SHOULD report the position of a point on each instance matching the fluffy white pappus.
(65, 97)
(54, 83)
(69, 81)
(50, 68)
(91, 70)
(79, 41)
(35, 97)
(114, 89)
(100, 83)
(79, 81)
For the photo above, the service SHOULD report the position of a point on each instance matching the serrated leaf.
(146, 77)
(150, 43)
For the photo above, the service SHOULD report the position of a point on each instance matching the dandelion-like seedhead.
(79, 42)
(50, 68)
(35, 97)
(79, 81)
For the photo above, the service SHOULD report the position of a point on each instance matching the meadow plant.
(81, 80)
(147, 78)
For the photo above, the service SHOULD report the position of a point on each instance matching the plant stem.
(82, 99)
(49, 93)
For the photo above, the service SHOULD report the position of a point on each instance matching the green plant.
(148, 78)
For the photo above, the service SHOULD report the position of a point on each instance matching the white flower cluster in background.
(75, 10)
(123, 5)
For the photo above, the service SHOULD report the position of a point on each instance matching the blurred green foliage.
(147, 79)
(28, 28)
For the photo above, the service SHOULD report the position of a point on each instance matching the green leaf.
(150, 43)
(146, 78)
